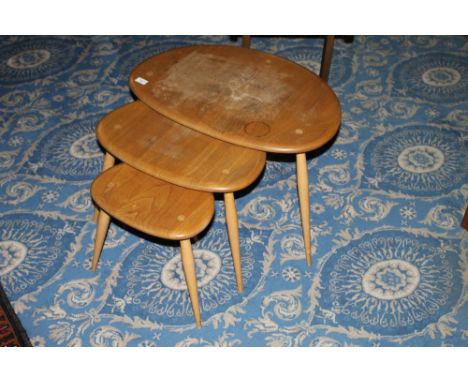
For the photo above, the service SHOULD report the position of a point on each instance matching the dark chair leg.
(326, 57)
(326, 54)
(464, 223)
(245, 41)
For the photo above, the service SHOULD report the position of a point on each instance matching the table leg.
(233, 233)
(188, 264)
(303, 191)
(109, 161)
(102, 226)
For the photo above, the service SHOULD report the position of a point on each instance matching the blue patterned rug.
(390, 263)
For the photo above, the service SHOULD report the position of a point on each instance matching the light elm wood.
(151, 143)
(242, 96)
(152, 205)
(102, 225)
(233, 233)
(303, 191)
(108, 162)
(188, 264)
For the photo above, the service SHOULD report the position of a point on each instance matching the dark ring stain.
(257, 129)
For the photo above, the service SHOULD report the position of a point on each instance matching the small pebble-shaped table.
(155, 207)
(245, 97)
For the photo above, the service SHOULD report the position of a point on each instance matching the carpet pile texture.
(390, 262)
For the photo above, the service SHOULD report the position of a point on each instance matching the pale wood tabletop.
(242, 96)
(157, 208)
(152, 205)
(148, 141)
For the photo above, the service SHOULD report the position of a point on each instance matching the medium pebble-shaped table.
(157, 146)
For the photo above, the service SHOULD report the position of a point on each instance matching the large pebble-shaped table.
(245, 97)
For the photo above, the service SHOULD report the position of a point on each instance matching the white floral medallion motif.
(441, 76)
(417, 160)
(391, 279)
(28, 59)
(433, 77)
(85, 147)
(12, 253)
(421, 159)
(153, 282)
(36, 58)
(207, 265)
(32, 249)
(70, 152)
(389, 283)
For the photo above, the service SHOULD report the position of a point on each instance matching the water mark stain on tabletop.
(257, 129)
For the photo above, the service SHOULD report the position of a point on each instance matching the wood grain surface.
(242, 96)
(152, 205)
(148, 141)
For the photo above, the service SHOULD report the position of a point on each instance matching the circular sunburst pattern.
(390, 283)
(85, 147)
(35, 58)
(391, 279)
(12, 254)
(154, 284)
(28, 59)
(310, 57)
(421, 159)
(70, 152)
(207, 263)
(417, 160)
(441, 76)
(32, 249)
(433, 77)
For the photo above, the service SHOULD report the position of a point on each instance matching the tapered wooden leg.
(101, 230)
(109, 161)
(326, 57)
(303, 191)
(233, 233)
(188, 264)
(245, 41)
